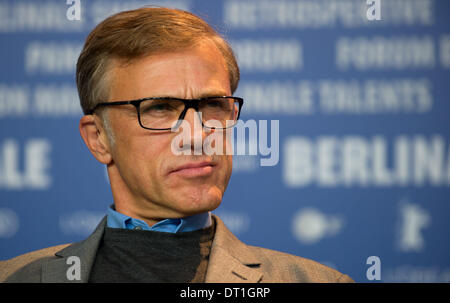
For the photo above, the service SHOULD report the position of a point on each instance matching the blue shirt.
(191, 223)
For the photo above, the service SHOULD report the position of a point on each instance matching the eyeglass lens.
(165, 112)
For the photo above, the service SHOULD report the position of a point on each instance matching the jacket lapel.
(231, 261)
(56, 270)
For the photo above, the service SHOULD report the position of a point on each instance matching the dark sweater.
(151, 256)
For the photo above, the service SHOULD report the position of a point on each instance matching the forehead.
(189, 73)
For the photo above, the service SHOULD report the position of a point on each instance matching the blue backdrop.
(363, 162)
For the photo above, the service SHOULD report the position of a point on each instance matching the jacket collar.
(56, 270)
(230, 260)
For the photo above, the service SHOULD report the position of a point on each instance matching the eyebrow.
(213, 94)
(203, 95)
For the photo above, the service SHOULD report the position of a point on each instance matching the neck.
(133, 205)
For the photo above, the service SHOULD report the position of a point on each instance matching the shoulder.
(275, 266)
(28, 264)
(281, 267)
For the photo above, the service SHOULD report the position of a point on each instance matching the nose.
(197, 132)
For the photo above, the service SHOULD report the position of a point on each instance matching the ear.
(95, 138)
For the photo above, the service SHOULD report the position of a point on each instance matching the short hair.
(138, 33)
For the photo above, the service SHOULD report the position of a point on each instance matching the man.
(143, 76)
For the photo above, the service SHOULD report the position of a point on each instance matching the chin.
(200, 201)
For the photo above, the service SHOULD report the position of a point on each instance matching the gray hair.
(107, 126)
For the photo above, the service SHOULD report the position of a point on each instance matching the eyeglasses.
(166, 113)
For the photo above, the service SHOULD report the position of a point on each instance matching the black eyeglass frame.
(188, 103)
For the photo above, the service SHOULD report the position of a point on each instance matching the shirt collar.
(116, 219)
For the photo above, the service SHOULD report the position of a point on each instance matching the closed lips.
(193, 165)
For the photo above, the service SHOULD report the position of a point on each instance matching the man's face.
(146, 177)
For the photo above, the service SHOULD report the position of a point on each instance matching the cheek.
(229, 166)
(224, 172)
(144, 152)
(154, 155)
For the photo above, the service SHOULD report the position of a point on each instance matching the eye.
(213, 103)
(158, 107)
(154, 106)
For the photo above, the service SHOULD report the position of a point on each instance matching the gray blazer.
(230, 261)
